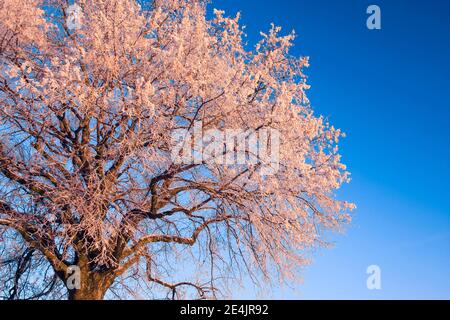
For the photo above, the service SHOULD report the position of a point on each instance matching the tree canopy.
(87, 175)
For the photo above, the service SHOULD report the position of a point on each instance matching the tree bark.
(93, 288)
(86, 294)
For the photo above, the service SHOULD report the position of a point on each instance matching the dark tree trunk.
(80, 294)
(94, 287)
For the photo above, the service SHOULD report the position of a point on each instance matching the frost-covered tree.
(88, 182)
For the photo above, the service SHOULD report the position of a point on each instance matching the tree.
(89, 185)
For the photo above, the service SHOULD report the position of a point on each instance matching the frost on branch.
(86, 174)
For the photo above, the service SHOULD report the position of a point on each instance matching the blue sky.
(388, 90)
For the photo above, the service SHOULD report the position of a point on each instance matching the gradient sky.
(389, 91)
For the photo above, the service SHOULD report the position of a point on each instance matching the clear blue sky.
(389, 91)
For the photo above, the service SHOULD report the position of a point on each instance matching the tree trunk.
(93, 288)
(86, 294)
